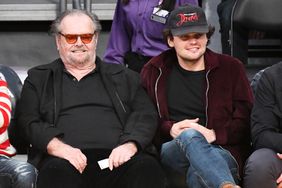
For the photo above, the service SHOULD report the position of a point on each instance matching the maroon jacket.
(228, 99)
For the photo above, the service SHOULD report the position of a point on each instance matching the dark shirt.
(186, 94)
(87, 116)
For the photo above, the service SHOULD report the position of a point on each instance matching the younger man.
(204, 102)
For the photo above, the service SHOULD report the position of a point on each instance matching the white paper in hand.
(104, 163)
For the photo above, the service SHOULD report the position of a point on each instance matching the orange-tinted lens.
(86, 38)
(72, 38)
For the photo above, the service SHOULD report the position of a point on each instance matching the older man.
(82, 116)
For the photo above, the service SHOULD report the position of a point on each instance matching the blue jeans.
(204, 165)
(21, 174)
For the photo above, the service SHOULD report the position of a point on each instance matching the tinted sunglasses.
(72, 38)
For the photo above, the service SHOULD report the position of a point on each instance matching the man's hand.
(177, 129)
(209, 134)
(121, 154)
(180, 126)
(279, 180)
(279, 185)
(59, 149)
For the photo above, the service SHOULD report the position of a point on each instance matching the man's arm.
(266, 130)
(142, 121)
(236, 128)
(139, 128)
(34, 119)
(120, 39)
(74, 155)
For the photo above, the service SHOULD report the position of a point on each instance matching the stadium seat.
(256, 15)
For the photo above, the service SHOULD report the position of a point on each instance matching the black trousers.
(142, 171)
(224, 11)
(262, 169)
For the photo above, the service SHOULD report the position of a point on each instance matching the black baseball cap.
(187, 19)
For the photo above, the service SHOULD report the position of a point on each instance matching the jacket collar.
(167, 58)
(105, 67)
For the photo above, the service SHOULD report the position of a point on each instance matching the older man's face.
(75, 42)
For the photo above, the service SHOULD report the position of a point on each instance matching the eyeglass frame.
(77, 35)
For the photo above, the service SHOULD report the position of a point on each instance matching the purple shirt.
(133, 30)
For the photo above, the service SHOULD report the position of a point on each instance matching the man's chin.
(79, 60)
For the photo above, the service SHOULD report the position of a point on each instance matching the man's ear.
(57, 42)
(170, 41)
(96, 38)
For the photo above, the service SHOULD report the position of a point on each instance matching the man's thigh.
(140, 171)
(56, 172)
(262, 169)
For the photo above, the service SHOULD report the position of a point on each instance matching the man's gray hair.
(55, 26)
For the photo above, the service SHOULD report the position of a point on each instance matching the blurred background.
(25, 42)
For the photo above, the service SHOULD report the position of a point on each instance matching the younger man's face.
(189, 47)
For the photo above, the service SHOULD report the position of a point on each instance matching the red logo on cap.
(192, 17)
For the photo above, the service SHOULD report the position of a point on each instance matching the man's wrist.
(213, 136)
(132, 145)
(54, 144)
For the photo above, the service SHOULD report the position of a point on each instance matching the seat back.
(256, 15)
(261, 15)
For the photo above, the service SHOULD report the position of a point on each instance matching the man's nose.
(79, 41)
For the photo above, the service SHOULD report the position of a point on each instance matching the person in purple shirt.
(136, 33)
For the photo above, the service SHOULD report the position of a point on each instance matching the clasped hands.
(183, 125)
(118, 156)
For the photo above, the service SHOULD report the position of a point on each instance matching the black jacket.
(39, 106)
(267, 111)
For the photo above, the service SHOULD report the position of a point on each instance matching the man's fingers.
(111, 162)
(279, 180)
(76, 165)
(116, 164)
(121, 154)
(78, 160)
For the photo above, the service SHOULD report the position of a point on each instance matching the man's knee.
(261, 160)
(147, 164)
(26, 176)
(262, 169)
(189, 135)
(146, 171)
